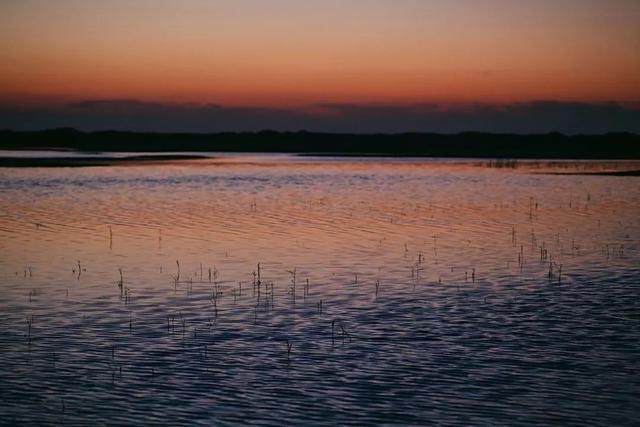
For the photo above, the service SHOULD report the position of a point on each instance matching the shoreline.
(61, 162)
(619, 146)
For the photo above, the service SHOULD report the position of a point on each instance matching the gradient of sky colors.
(293, 53)
(290, 51)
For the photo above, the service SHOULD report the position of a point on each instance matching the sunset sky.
(290, 54)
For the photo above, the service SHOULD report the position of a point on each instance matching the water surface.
(426, 291)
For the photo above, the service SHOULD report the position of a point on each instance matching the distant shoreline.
(599, 173)
(55, 162)
(623, 146)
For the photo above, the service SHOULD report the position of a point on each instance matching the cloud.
(136, 115)
(530, 117)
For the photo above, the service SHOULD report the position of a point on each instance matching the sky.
(358, 65)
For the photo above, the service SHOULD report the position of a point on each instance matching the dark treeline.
(469, 144)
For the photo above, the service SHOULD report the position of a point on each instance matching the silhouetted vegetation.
(52, 162)
(469, 144)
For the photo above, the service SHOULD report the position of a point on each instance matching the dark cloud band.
(134, 115)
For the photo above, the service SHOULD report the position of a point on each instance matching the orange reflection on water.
(331, 218)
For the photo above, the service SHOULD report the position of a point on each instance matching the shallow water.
(503, 296)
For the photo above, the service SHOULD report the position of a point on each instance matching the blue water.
(439, 292)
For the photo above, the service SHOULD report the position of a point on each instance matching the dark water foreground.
(389, 292)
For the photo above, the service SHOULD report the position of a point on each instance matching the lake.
(277, 289)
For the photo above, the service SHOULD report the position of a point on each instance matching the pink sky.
(288, 53)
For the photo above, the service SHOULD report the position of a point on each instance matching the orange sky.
(290, 52)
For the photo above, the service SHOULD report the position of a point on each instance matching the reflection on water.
(425, 292)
